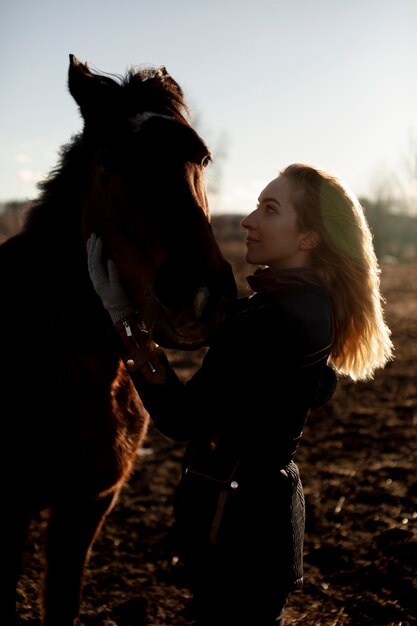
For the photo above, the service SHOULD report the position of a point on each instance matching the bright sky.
(270, 82)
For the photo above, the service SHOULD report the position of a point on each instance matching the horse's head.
(145, 195)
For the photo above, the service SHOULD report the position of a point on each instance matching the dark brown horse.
(70, 420)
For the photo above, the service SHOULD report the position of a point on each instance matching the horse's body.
(71, 420)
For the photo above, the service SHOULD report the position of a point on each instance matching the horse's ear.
(89, 90)
(80, 80)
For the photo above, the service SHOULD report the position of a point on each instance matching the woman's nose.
(246, 222)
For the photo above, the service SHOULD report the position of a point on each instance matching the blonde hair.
(347, 264)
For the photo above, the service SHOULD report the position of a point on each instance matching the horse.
(72, 422)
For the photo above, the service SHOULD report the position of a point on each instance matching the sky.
(269, 82)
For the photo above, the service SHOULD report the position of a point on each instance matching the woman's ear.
(310, 239)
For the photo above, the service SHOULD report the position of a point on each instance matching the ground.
(358, 463)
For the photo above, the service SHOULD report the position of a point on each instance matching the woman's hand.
(106, 282)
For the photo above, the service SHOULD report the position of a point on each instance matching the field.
(358, 462)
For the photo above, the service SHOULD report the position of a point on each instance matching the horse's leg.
(71, 532)
(15, 530)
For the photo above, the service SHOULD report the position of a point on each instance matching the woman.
(316, 312)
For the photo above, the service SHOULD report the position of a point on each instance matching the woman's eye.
(270, 208)
(206, 160)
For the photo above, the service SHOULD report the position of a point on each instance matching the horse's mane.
(157, 90)
(147, 89)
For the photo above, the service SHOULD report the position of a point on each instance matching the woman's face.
(273, 237)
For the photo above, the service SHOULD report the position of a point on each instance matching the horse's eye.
(206, 160)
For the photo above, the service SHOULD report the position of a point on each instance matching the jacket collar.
(264, 279)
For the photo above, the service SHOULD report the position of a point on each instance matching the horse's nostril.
(200, 300)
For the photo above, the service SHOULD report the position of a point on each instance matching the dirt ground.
(358, 463)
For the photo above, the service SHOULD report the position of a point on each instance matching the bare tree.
(410, 162)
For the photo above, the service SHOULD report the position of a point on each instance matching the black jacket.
(242, 415)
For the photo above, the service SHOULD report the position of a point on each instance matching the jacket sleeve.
(174, 406)
(258, 370)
